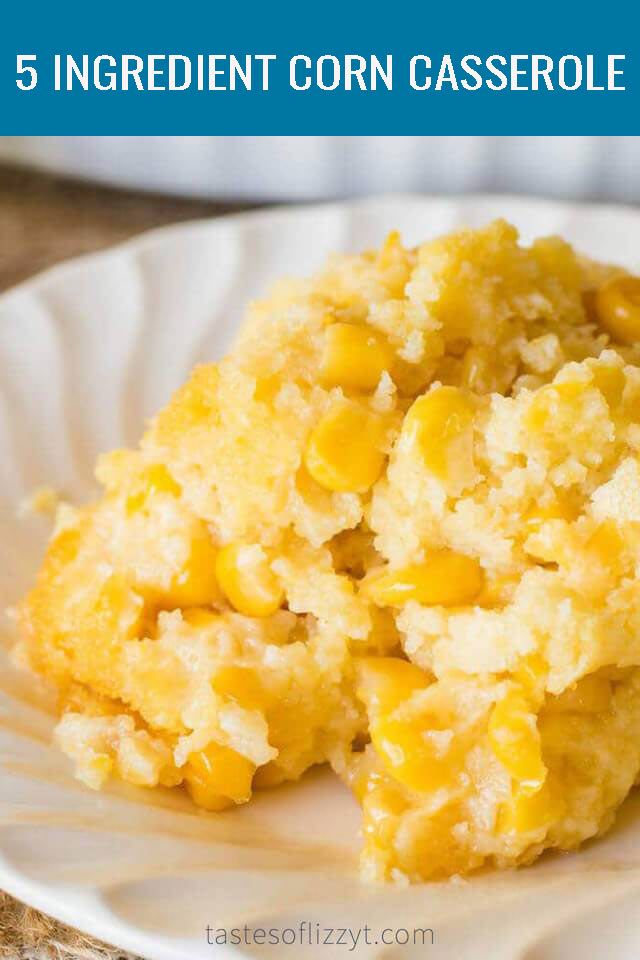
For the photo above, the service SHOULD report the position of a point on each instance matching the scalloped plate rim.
(147, 238)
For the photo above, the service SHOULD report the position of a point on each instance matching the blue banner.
(330, 68)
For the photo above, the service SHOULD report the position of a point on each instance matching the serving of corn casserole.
(396, 530)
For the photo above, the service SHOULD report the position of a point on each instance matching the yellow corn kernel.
(267, 387)
(421, 759)
(354, 357)
(531, 674)
(434, 422)
(610, 381)
(247, 581)
(560, 508)
(384, 798)
(200, 617)
(343, 452)
(591, 694)
(526, 812)
(514, 739)
(477, 372)
(242, 685)
(217, 777)
(154, 479)
(606, 542)
(64, 547)
(385, 682)
(196, 584)
(549, 400)
(446, 579)
(618, 308)
(159, 480)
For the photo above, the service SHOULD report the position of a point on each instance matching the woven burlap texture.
(26, 934)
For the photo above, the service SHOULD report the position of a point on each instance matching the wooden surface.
(43, 220)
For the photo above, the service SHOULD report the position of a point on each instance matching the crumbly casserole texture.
(396, 530)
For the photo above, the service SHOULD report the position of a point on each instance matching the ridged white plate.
(87, 351)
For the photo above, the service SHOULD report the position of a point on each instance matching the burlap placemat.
(26, 934)
(43, 220)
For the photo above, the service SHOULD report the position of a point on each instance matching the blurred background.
(304, 168)
(62, 196)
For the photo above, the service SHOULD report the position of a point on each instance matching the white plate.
(87, 351)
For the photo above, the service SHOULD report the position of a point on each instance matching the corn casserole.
(396, 530)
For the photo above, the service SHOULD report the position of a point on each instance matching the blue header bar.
(331, 68)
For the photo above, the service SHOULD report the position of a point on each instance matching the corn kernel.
(591, 694)
(64, 547)
(560, 508)
(514, 739)
(549, 400)
(247, 581)
(531, 674)
(242, 685)
(446, 579)
(354, 357)
(610, 381)
(155, 479)
(196, 584)
(200, 617)
(217, 777)
(411, 756)
(385, 682)
(618, 308)
(434, 422)
(525, 812)
(343, 452)
(477, 372)
(384, 799)
(606, 542)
